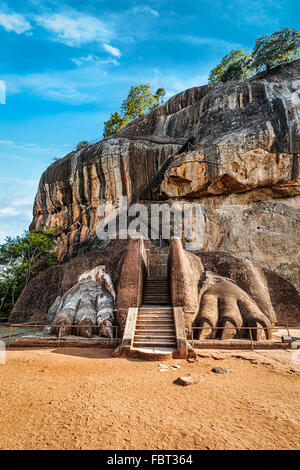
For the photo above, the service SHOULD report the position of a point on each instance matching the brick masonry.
(133, 274)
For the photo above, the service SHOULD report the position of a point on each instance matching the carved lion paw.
(224, 304)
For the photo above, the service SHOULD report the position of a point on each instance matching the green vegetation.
(140, 101)
(82, 145)
(238, 65)
(278, 48)
(22, 258)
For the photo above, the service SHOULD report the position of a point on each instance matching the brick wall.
(130, 292)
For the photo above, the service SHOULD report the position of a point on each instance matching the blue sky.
(68, 65)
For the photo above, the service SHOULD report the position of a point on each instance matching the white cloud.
(174, 84)
(112, 50)
(215, 43)
(145, 9)
(13, 211)
(74, 86)
(14, 22)
(17, 197)
(28, 148)
(75, 30)
(92, 59)
(83, 85)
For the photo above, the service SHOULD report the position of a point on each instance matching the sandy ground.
(74, 398)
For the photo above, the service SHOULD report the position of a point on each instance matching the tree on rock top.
(279, 48)
(235, 66)
(140, 101)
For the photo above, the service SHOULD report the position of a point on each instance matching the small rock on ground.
(220, 370)
(187, 380)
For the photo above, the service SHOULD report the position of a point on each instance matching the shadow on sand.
(89, 353)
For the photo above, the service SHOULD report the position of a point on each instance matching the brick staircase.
(155, 320)
(154, 330)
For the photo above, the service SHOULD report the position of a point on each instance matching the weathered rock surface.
(72, 189)
(242, 166)
(234, 148)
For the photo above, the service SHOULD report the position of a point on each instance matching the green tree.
(235, 66)
(82, 145)
(140, 101)
(22, 258)
(279, 48)
(114, 124)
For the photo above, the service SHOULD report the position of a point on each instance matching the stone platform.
(51, 341)
(238, 344)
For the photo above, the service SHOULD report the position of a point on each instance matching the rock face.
(72, 189)
(233, 148)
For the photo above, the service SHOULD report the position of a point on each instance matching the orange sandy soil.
(73, 398)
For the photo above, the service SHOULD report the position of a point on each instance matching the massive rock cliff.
(233, 148)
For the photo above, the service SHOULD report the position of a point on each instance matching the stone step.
(152, 288)
(156, 296)
(150, 327)
(159, 298)
(158, 286)
(150, 333)
(156, 292)
(163, 285)
(156, 309)
(158, 282)
(155, 315)
(152, 343)
(155, 326)
(154, 337)
(168, 322)
(155, 320)
(160, 303)
(153, 354)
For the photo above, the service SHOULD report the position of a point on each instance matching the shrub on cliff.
(140, 101)
(22, 258)
(82, 145)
